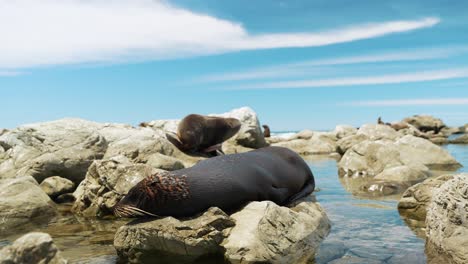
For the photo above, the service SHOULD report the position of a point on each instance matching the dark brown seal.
(198, 133)
(266, 131)
(227, 182)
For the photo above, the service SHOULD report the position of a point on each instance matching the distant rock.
(56, 185)
(312, 146)
(346, 143)
(378, 132)
(460, 140)
(439, 140)
(448, 131)
(447, 222)
(106, 182)
(32, 248)
(425, 123)
(22, 202)
(342, 131)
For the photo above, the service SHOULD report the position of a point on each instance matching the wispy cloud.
(409, 102)
(310, 66)
(50, 32)
(368, 80)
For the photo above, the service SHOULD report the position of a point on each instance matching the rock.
(414, 150)
(439, 140)
(184, 240)
(273, 140)
(460, 140)
(56, 185)
(304, 134)
(382, 188)
(230, 147)
(404, 174)
(65, 198)
(425, 123)
(160, 161)
(65, 147)
(312, 146)
(22, 201)
(355, 260)
(412, 257)
(447, 222)
(415, 199)
(106, 182)
(346, 143)
(266, 232)
(32, 248)
(342, 131)
(329, 251)
(369, 158)
(250, 134)
(378, 132)
(448, 131)
(164, 125)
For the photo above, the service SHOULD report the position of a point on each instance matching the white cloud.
(310, 66)
(49, 32)
(441, 101)
(367, 80)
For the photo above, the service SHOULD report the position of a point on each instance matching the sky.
(299, 63)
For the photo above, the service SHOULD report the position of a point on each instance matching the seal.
(228, 182)
(266, 131)
(198, 133)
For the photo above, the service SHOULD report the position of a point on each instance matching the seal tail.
(307, 189)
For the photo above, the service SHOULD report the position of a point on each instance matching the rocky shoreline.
(93, 165)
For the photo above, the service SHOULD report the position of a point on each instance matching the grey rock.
(32, 248)
(447, 222)
(183, 239)
(160, 161)
(56, 185)
(22, 202)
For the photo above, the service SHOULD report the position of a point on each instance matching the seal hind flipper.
(307, 189)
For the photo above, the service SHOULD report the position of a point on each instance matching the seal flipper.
(307, 189)
(213, 148)
(172, 137)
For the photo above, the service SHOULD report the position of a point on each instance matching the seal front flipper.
(172, 137)
(307, 189)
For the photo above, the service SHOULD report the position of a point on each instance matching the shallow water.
(362, 227)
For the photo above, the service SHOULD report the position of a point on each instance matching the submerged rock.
(106, 182)
(447, 222)
(22, 201)
(184, 240)
(260, 232)
(56, 185)
(32, 248)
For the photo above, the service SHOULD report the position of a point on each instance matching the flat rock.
(56, 185)
(106, 182)
(266, 232)
(32, 248)
(312, 146)
(22, 201)
(447, 222)
(184, 240)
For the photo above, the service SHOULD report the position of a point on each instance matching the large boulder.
(342, 131)
(414, 201)
(414, 150)
(32, 248)
(178, 240)
(425, 122)
(64, 147)
(447, 222)
(22, 202)
(312, 146)
(106, 182)
(378, 132)
(346, 143)
(404, 174)
(250, 134)
(268, 233)
(56, 185)
(460, 140)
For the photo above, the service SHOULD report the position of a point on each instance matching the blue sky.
(299, 64)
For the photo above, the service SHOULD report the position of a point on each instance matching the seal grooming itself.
(227, 182)
(266, 131)
(198, 133)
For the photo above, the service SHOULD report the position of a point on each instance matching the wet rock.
(342, 131)
(106, 182)
(64, 147)
(329, 251)
(184, 240)
(447, 222)
(266, 232)
(414, 150)
(413, 258)
(425, 123)
(346, 143)
(382, 188)
(414, 202)
(250, 134)
(160, 161)
(22, 201)
(32, 248)
(460, 140)
(378, 132)
(56, 185)
(355, 260)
